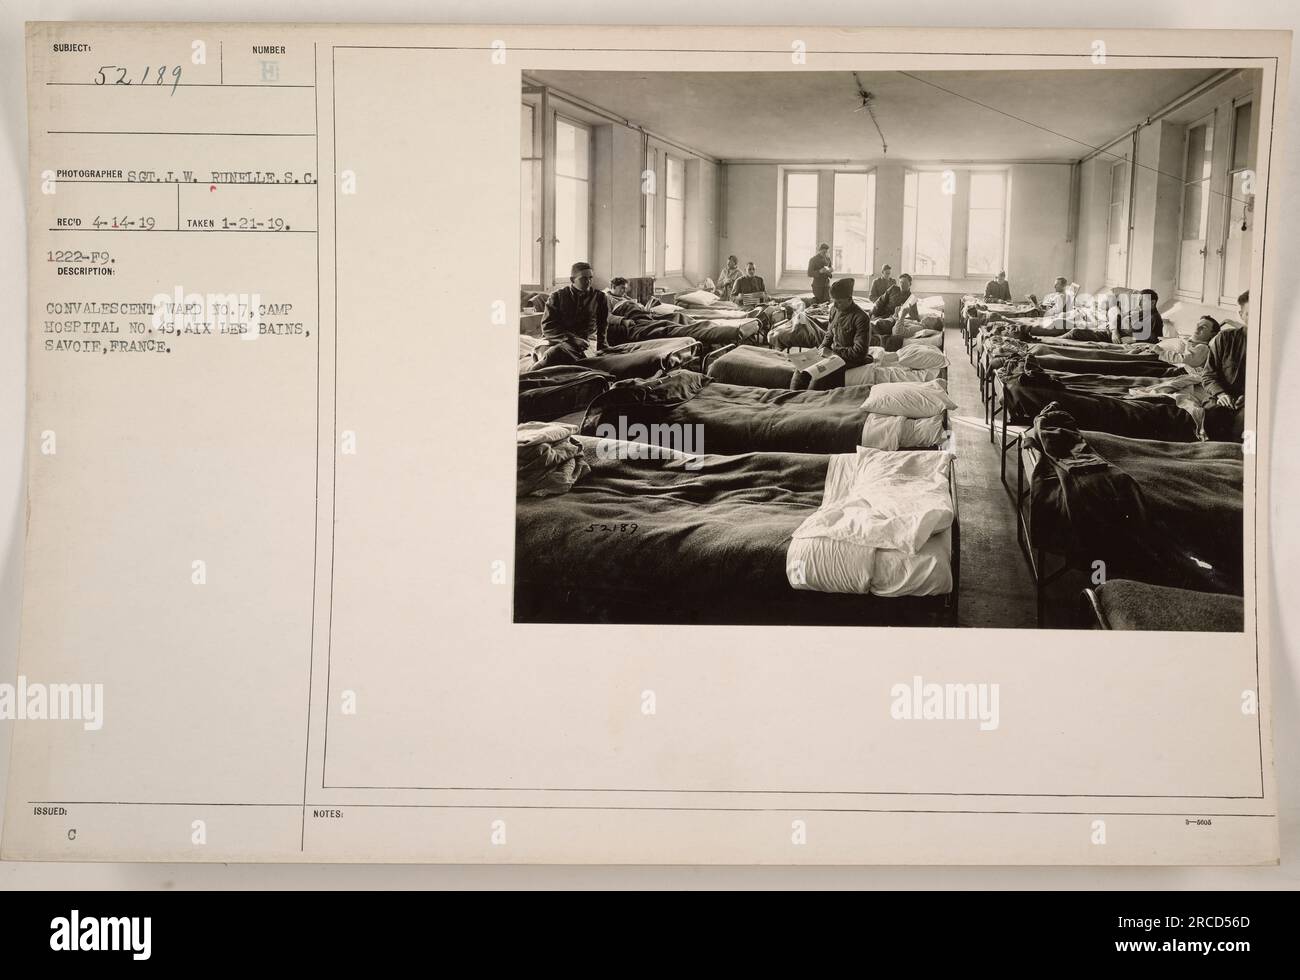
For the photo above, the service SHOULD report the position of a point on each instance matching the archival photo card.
(893, 419)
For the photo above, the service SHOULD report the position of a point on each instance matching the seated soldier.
(750, 284)
(573, 313)
(1225, 380)
(1141, 323)
(998, 290)
(882, 284)
(883, 313)
(848, 336)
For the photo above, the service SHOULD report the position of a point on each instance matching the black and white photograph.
(902, 437)
(886, 348)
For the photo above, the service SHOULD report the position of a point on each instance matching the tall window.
(853, 232)
(927, 223)
(986, 230)
(674, 217)
(1235, 275)
(572, 195)
(800, 220)
(1196, 209)
(530, 199)
(649, 186)
(1117, 226)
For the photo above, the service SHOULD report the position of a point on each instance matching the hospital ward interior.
(836, 348)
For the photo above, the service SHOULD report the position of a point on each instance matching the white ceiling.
(806, 115)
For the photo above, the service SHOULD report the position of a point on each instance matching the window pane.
(1199, 142)
(909, 239)
(649, 186)
(674, 233)
(564, 153)
(675, 186)
(650, 264)
(674, 216)
(571, 219)
(1234, 275)
(984, 246)
(933, 226)
(1118, 178)
(526, 131)
(529, 229)
(987, 190)
(530, 200)
(801, 190)
(1196, 198)
(909, 190)
(1241, 126)
(852, 232)
(565, 199)
(572, 214)
(570, 149)
(800, 237)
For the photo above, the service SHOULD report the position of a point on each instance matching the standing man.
(572, 315)
(728, 276)
(848, 336)
(882, 284)
(819, 271)
(1225, 380)
(998, 290)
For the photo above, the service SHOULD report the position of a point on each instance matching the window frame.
(785, 217)
(917, 171)
(651, 252)
(1005, 220)
(669, 162)
(1226, 299)
(1122, 225)
(870, 231)
(1209, 122)
(560, 277)
(536, 207)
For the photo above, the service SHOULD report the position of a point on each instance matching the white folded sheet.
(873, 532)
(890, 432)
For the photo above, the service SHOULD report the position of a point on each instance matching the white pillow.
(921, 357)
(697, 298)
(910, 399)
(930, 304)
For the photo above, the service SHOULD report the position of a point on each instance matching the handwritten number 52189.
(150, 76)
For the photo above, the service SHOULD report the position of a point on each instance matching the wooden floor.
(996, 586)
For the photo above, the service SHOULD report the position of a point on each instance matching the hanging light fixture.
(868, 103)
